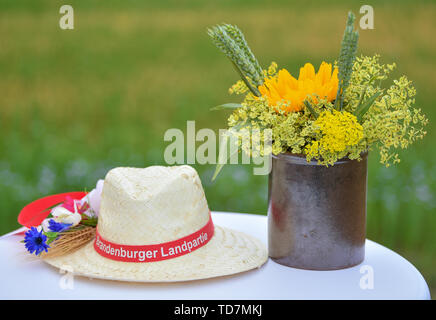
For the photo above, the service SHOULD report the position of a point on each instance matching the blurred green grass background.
(76, 103)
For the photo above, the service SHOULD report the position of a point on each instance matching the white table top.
(25, 277)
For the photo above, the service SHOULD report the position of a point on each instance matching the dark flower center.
(38, 240)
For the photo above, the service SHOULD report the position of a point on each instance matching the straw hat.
(156, 205)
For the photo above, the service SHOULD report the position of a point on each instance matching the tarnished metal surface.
(317, 214)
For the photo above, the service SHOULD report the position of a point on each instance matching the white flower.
(63, 215)
(45, 225)
(73, 219)
(60, 211)
(93, 198)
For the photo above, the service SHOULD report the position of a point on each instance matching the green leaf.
(51, 236)
(361, 97)
(92, 222)
(311, 109)
(221, 164)
(227, 106)
(223, 156)
(364, 107)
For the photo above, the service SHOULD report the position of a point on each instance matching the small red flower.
(70, 204)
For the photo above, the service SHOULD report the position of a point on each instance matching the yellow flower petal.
(285, 88)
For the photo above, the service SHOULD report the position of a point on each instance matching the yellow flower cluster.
(256, 114)
(393, 123)
(283, 87)
(339, 131)
(390, 123)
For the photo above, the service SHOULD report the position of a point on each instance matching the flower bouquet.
(68, 225)
(318, 128)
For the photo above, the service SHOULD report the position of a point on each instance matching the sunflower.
(283, 87)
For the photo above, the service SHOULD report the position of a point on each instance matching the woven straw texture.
(154, 205)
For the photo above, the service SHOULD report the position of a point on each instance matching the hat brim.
(228, 252)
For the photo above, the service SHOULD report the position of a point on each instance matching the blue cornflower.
(35, 241)
(57, 226)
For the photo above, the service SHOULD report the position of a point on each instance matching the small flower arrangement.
(69, 225)
(340, 111)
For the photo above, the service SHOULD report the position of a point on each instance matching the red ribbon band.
(154, 252)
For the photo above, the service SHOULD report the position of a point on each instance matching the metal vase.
(317, 214)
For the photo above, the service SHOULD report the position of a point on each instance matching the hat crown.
(152, 205)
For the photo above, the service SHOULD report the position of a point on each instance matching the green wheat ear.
(347, 55)
(231, 41)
